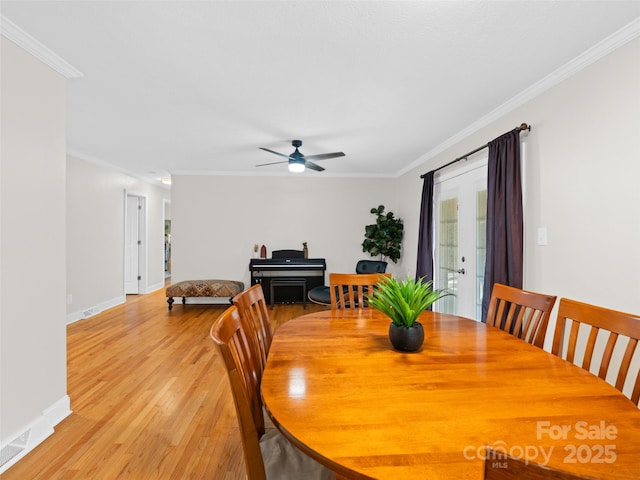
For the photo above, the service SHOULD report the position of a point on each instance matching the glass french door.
(460, 204)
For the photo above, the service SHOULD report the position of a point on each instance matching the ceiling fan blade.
(324, 156)
(297, 157)
(272, 163)
(313, 166)
(274, 152)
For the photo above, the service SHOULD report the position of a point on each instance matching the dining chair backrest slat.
(599, 321)
(254, 314)
(238, 356)
(349, 290)
(521, 313)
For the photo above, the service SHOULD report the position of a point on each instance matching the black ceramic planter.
(406, 339)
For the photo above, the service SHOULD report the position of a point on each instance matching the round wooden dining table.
(337, 389)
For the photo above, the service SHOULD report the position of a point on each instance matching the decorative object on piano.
(263, 252)
(298, 162)
(383, 238)
(305, 250)
(256, 247)
(403, 302)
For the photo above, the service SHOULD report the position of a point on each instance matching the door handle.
(461, 271)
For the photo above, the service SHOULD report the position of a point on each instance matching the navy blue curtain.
(504, 262)
(424, 268)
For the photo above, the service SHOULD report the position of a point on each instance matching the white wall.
(62, 232)
(216, 220)
(33, 384)
(583, 183)
(95, 235)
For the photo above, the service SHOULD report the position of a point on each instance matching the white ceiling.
(174, 87)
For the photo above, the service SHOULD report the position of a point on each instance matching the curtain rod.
(522, 127)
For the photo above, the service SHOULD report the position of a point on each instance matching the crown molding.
(102, 163)
(589, 56)
(21, 38)
(284, 173)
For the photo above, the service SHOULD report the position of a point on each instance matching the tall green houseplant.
(383, 238)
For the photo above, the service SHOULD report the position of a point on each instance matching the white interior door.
(132, 245)
(460, 230)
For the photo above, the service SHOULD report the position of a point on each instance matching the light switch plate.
(542, 236)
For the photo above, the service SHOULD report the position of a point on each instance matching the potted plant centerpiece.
(403, 302)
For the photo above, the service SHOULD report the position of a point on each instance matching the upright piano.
(263, 270)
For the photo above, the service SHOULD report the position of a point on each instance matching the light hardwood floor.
(150, 398)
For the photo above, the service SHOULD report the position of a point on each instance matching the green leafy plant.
(384, 237)
(404, 301)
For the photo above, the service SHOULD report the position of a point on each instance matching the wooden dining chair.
(348, 290)
(252, 307)
(609, 324)
(500, 466)
(267, 453)
(321, 295)
(521, 313)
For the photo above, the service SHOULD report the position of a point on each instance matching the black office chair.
(371, 266)
(322, 294)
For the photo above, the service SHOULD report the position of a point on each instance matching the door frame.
(166, 206)
(480, 162)
(142, 237)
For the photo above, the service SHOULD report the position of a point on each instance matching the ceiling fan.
(298, 162)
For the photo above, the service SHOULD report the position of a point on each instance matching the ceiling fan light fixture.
(296, 167)
(298, 162)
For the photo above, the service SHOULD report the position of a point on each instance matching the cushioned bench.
(203, 288)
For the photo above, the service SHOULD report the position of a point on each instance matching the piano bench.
(203, 288)
(289, 282)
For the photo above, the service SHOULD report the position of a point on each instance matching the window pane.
(448, 248)
(481, 247)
